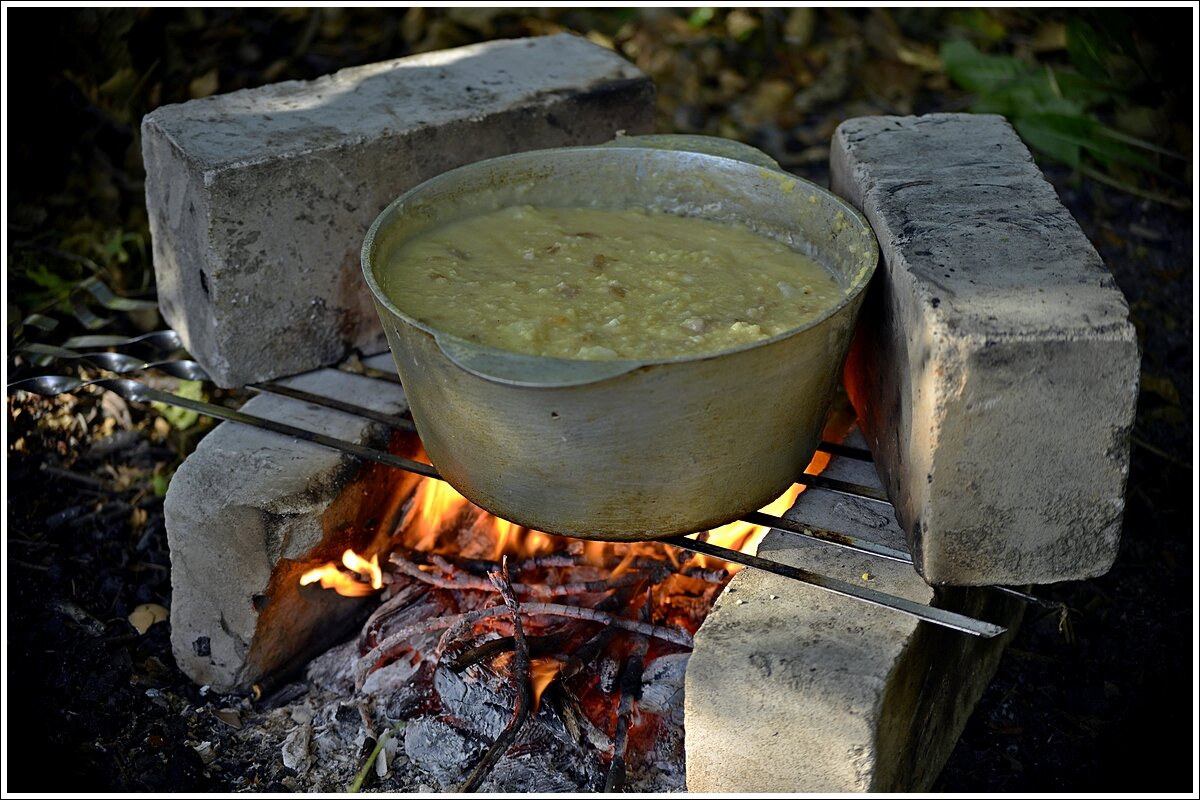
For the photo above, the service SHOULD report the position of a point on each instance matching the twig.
(707, 575)
(548, 560)
(356, 786)
(398, 602)
(395, 643)
(585, 653)
(492, 647)
(631, 682)
(1137, 191)
(520, 666)
(1163, 454)
(414, 571)
(471, 583)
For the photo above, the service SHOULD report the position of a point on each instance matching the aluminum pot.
(626, 450)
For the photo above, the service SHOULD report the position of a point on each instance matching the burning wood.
(521, 674)
(365, 576)
(573, 621)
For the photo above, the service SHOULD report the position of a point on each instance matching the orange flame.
(438, 515)
(348, 585)
(435, 503)
(744, 536)
(542, 672)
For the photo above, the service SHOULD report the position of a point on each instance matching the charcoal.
(662, 686)
(554, 770)
(399, 688)
(482, 705)
(441, 750)
(333, 671)
(295, 751)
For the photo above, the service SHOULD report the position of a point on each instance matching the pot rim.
(488, 362)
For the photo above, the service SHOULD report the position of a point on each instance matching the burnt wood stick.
(399, 601)
(471, 583)
(397, 642)
(270, 682)
(589, 649)
(524, 700)
(538, 645)
(631, 684)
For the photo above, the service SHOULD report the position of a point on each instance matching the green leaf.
(160, 482)
(41, 275)
(1056, 135)
(181, 418)
(979, 72)
(1032, 94)
(701, 17)
(1086, 49)
(1081, 89)
(1063, 136)
(1109, 147)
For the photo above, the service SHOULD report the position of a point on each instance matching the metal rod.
(392, 420)
(371, 372)
(846, 451)
(132, 390)
(936, 616)
(136, 391)
(828, 537)
(844, 487)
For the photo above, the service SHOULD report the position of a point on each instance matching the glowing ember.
(593, 614)
(364, 577)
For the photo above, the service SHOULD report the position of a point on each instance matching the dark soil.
(1099, 698)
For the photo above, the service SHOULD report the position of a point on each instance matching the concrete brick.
(995, 369)
(792, 689)
(259, 199)
(250, 510)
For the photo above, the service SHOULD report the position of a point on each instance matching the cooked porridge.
(599, 284)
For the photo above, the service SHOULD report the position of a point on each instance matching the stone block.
(250, 510)
(995, 368)
(259, 199)
(793, 689)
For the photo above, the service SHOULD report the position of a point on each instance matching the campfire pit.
(588, 609)
(879, 697)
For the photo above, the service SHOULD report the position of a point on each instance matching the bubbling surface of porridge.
(601, 284)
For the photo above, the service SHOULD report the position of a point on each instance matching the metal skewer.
(50, 385)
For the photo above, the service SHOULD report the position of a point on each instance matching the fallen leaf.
(230, 717)
(145, 615)
(204, 85)
(1162, 386)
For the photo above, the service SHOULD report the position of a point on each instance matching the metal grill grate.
(137, 391)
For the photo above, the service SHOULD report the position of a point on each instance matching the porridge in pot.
(601, 284)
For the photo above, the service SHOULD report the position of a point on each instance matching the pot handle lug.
(517, 369)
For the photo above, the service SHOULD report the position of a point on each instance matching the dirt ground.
(1100, 698)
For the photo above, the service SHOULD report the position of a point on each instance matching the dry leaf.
(204, 85)
(230, 717)
(146, 615)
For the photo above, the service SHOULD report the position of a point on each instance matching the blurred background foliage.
(1106, 92)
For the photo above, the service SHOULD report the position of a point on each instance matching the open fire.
(567, 632)
(437, 509)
